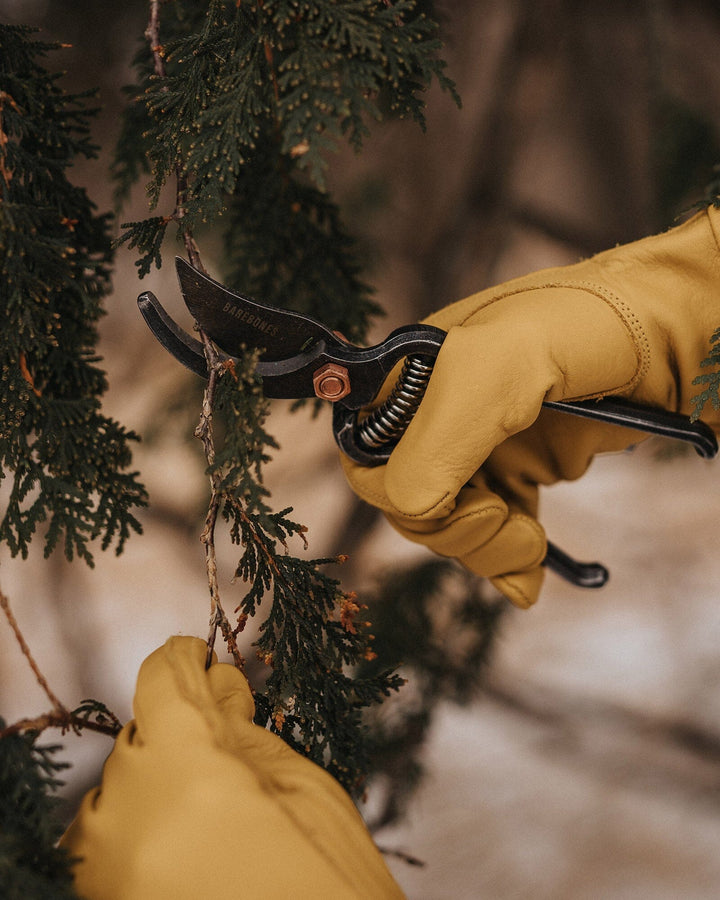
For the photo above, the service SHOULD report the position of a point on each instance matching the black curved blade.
(234, 321)
(179, 343)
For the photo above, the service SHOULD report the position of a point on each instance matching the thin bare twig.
(204, 429)
(152, 33)
(60, 716)
(41, 680)
(66, 721)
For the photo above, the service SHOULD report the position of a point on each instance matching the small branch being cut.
(216, 367)
(204, 431)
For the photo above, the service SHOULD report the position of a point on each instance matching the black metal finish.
(234, 321)
(367, 367)
(294, 347)
(617, 411)
(581, 574)
(611, 410)
(186, 350)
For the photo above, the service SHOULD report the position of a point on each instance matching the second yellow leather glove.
(634, 321)
(197, 801)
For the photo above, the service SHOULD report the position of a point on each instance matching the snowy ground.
(593, 768)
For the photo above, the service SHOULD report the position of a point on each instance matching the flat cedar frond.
(147, 238)
(299, 76)
(313, 697)
(65, 458)
(308, 638)
(286, 243)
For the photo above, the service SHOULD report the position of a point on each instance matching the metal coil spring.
(388, 422)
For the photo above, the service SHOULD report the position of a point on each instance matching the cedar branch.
(204, 429)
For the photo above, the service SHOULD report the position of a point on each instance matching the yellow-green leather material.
(197, 801)
(633, 321)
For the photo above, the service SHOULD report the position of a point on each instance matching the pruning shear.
(300, 357)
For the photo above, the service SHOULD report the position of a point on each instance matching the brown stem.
(152, 33)
(59, 719)
(204, 429)
(190, 246)
(216, 367)
(58, 707)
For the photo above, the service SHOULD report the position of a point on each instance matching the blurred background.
(588, 762)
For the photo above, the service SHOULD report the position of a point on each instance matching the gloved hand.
(634, 322)
(197, 801)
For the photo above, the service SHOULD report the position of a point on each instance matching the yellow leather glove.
(197, 801)
(634, 321)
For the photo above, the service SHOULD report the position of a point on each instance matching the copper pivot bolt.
(331, 382)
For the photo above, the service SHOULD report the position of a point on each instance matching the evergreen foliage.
(239, 105)
(285, 242)
(235, 110)
(232, 119)
(258, 93)
(311, 635)
(67, 460)
(32, 867)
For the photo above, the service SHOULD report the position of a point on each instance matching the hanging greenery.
(66, 461)
(239, 105)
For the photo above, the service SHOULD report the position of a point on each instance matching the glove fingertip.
(522, 589)
(161, 672)
(231, 691)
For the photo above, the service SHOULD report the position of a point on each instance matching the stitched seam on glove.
(427, 513)
(473, 514)
(538, 529)
(512, 591)
(633, 325)
(627, 317)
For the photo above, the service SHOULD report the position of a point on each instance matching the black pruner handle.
(581, 574)
(616, 411)
(612, 410)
